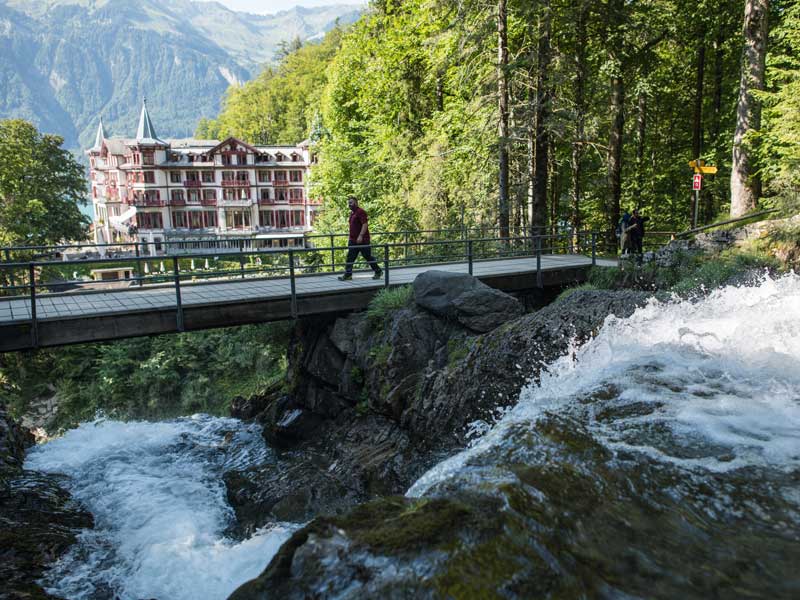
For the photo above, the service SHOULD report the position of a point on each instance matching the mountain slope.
(65, 62)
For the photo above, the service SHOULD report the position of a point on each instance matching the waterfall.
(157, 495)
(710, 385)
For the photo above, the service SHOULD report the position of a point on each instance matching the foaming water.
(712, 384)
(157, 495)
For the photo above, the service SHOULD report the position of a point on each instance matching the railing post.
(469, 255)
(405, 247)
(386, 265)
(10, 272)
(138, 264)
(292, 285)
(241, 258)
(34, 322)
(178, 303)
(538, 261)
(333, 256)
(594, 248)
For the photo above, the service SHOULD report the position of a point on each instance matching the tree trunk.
(616, 109)
(716, 123)
(542, 117)
(641, 133)
(745, 184)
(580, 116)
(502, 92)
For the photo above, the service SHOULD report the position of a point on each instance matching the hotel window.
(226, 160)
(148, 158)
(280, 175)
(174, 176)
(179, 219)
(298, 218)
(193, 195)
(209, 195)
(295, 176)
(229, 194)
(210, 218)
(177, 195)
(152, 196)
(196, 220)
(237, 219)
(265, 218)
(227, 176)
(149, 177)
(208, 176)
(192, 176)
(242, 176)
(280, 195)
(263, 176)
(147, 220)
(265, 194)
(282, 220)
(296, 194)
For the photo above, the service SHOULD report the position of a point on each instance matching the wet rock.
(39, 520)
(550, 512)
(499, 364)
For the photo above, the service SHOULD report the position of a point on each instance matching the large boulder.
(465, 299)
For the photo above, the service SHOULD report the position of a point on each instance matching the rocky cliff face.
(38, 519)
(375, 403)
(63, 63)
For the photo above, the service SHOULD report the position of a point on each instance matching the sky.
(267, 7)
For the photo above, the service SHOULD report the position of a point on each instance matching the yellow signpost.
(700, 168)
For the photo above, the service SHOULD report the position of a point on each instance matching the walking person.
(636, 231)
(358, 242)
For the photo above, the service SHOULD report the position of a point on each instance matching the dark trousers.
(353, 250)
(636, 244)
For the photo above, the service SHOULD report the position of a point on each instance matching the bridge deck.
(80, 317)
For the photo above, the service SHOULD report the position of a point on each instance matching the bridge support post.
(34, 322)
(292, 285)
(594, 248)
(469, 255)
(386, 265)
(539, 261)
(178, 304)
(333, 256)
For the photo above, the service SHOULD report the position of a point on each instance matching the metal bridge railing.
(31, 280)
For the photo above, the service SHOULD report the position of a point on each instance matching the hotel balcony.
(192, 183)
(208, 202)
(235, 183)
(280, 183)
(296, 201)
(266, 201)
(143, 202)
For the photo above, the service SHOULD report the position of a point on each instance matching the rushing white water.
(157, 495)
(715, 384)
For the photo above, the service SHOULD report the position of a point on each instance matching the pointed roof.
(101, 135)
(146, 134)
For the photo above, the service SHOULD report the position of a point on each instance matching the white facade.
(153, 191)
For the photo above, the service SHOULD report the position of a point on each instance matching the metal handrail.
(531, 244)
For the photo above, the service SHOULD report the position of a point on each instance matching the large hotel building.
(155, 191)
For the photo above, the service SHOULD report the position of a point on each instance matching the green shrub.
(387, 301)
(569, 291)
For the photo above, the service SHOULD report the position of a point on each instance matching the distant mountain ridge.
(65, 62)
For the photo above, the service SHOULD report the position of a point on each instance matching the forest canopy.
(546, 113)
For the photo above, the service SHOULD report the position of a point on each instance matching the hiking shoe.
(345, 277)
(377, 274)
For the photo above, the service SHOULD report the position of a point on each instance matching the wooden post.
(469, 255)
(539, 261)
(386, 265)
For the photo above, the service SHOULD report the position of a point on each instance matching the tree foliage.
(608, 101)
(41, 187)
